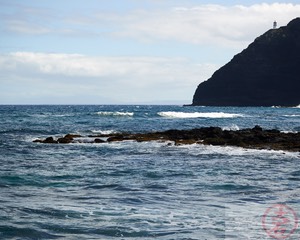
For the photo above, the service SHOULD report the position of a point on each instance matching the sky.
(123, 51)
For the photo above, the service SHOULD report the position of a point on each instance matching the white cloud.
(26, 28)
(207, 24)
(63, 78)
(120, 79)
(212, 24)
(76, 65)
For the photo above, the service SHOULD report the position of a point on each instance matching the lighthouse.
(274, 25)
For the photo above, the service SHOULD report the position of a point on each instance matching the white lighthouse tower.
(274, 25)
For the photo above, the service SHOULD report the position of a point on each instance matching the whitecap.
(84, 140)
(199, 115)
(199, 149)
(232, 127)
(292, 115)
(62, 115)
(121, 114)
(288, 131)
(46, 115)
(103, 131)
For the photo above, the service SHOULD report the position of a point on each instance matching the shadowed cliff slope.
(267, 73)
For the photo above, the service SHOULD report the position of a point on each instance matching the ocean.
(147, 190)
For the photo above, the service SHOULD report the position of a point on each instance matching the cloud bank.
(229, 26)
(192, 35)
(108, 79)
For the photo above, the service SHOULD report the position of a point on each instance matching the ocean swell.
(199, 115)
(116, 114)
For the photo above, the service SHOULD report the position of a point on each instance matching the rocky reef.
(267, 73)
(256, 138)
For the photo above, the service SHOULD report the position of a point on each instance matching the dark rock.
(257, 129)
(49, 140)
(213, 132)
(216, 141)
(265, 74)
(68, 138)
(98, 140)
(64, 140)
(72, 136)
(256, 137)
(275, 131)
(116, 138)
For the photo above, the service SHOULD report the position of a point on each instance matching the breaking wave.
(103, 131)
(232, 127)
(120, 114)
(199, 115)
(292, 115)
(298, 106)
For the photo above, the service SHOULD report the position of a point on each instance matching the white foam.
(84, 140)
(121, 114)
(298, 106)
(292, 115)
(289, 131)
(232, 127)
(104, 131)
(46, 115)
(198, 149)
(154, 147)
(62, 115)
(199, 115)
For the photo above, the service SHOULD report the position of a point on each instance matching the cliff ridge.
(266, 73)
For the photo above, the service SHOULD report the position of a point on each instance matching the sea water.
(148, 190)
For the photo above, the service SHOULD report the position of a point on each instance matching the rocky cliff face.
(267, 73)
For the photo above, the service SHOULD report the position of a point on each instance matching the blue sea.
(148, 190)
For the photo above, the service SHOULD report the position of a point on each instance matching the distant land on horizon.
(266, 73)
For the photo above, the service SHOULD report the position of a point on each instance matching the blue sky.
(123, 51)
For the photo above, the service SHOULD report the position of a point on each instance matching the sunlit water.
(130, 190)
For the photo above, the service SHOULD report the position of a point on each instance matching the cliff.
(267, 73)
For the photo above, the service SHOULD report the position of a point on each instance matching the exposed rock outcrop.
(256, 137)
(267, 73)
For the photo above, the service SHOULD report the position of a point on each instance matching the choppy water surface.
(129, 190)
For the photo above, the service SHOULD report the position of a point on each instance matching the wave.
(298, 106)
(198, 149)
(199, 115)
(103, 131)
(232, 127)
(47, 115)
(119, 114)
(195, 149)
(292, 115)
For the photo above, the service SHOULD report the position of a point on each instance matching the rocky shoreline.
(255, 138)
